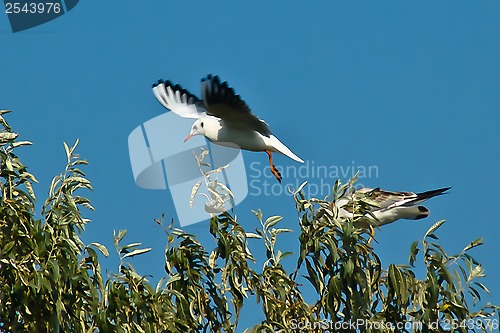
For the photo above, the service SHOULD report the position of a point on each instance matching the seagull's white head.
(196, 129)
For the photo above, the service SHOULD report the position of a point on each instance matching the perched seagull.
(222, 117)
(386, 207)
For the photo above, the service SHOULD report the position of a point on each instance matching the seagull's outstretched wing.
(221, 101)
(178, 100)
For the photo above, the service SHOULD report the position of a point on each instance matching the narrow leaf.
(271, 221)
(101, 248)
(195, 189)
(473, 244)
(434, 228)
(137, 252)
(252, 235)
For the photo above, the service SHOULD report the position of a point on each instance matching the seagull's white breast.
(230, 136)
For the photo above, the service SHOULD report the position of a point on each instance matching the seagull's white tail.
(281, 148)
(386, 216)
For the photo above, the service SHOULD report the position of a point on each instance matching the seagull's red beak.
(188, 137)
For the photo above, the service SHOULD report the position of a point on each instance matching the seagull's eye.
(201, 124)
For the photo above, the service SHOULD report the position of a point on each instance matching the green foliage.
(50, 281)
(353, 287)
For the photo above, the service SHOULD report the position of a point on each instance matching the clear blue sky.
(410, 87)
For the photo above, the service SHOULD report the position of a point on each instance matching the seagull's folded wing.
(178, 100)
(221, 101)
(388, 199)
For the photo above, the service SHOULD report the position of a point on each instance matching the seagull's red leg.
(275, 171)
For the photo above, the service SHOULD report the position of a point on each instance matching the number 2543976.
(32, 8)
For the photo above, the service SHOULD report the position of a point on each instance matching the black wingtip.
(433, 193)
(211, 77)
(157, 83)
(178, 89)
(215, 91)
(168, 83)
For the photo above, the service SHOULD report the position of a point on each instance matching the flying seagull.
(385, 207)
(222, 117)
